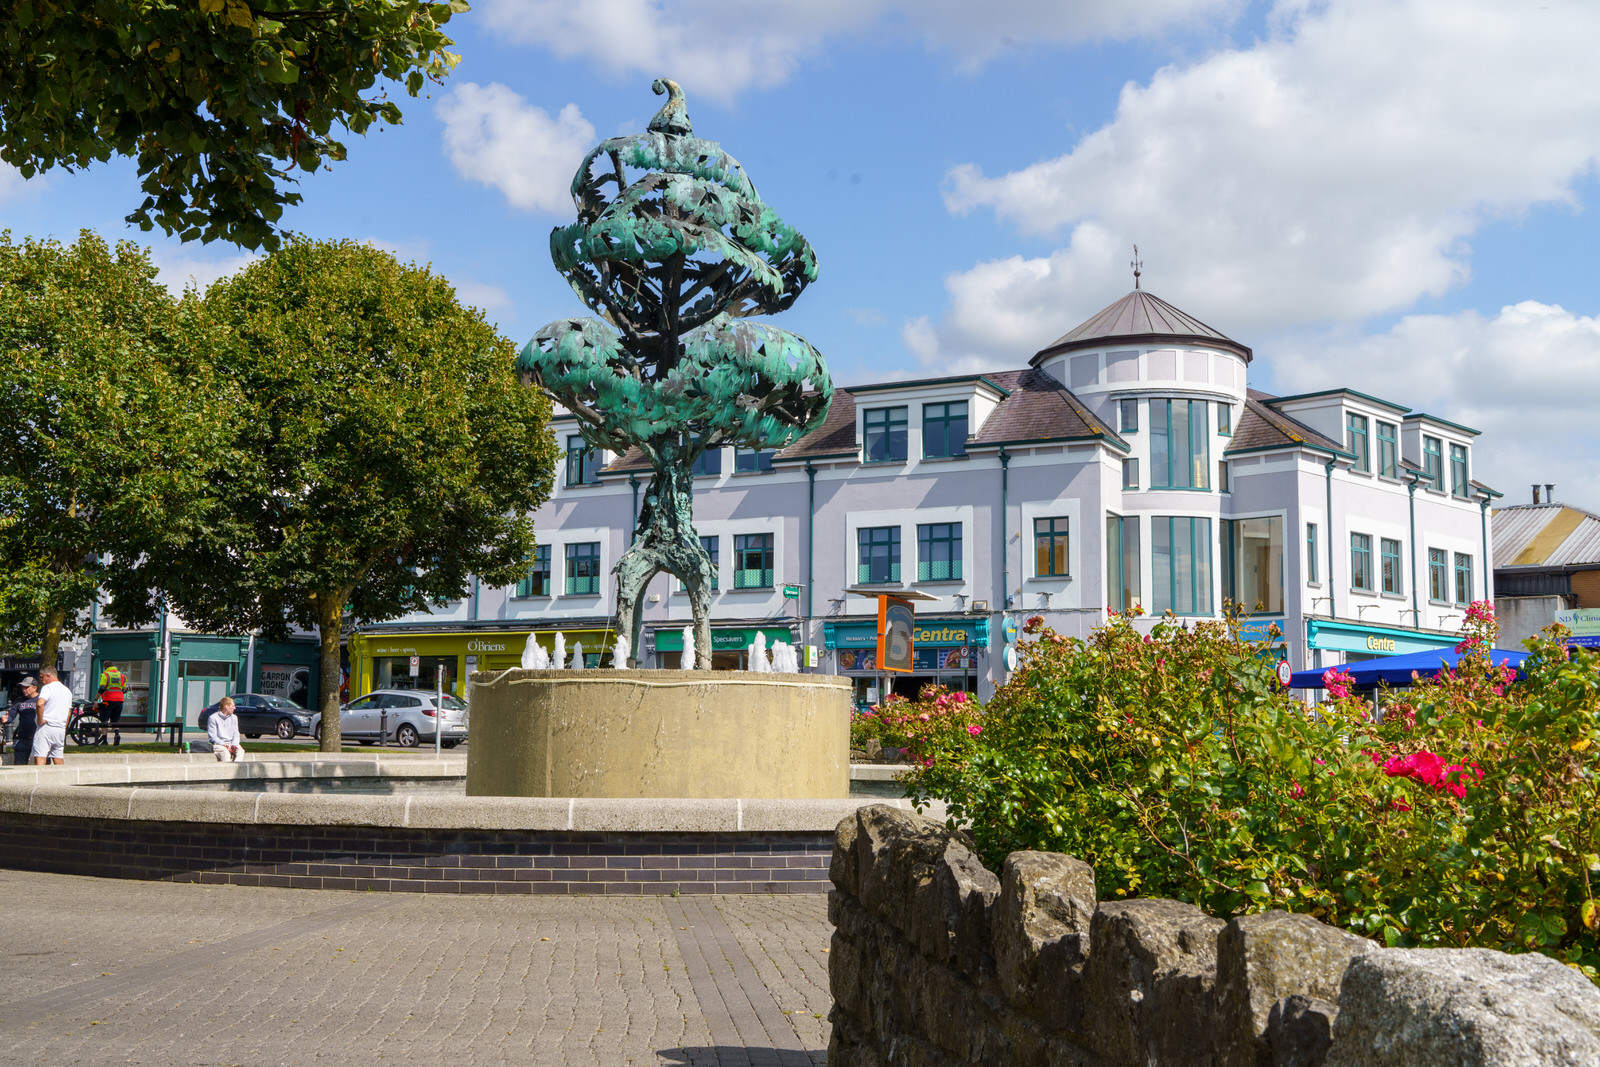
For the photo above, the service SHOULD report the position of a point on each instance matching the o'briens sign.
(475, 645)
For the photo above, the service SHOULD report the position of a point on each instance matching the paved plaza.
(101, 971)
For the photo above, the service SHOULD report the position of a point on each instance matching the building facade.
(1129, 463)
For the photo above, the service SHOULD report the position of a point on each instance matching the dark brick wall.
(419, 861)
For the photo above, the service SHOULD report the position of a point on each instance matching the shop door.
(204, 682)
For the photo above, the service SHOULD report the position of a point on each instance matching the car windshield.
(280, 702)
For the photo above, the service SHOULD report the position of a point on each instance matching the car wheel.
(369, 743)
(449, 744)
(406, 736)
(317, 733)
(286, 729)
(252, 736)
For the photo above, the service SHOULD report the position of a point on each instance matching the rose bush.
(922, 726)
(1175, 763)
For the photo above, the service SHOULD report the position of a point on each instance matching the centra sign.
(1380, 644)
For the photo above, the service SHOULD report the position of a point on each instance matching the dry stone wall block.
(1150, 982)
(1263, 958)
(1465, 1008)
(1299, 1031)
(1041, 923)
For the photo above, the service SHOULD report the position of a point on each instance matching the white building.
(1129, 463)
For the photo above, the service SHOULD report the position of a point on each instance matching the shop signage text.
(485, 646)
(941, 633)
(1380, 644)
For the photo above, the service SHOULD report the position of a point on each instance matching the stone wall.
(937, 961)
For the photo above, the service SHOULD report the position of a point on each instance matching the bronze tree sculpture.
(674, 249)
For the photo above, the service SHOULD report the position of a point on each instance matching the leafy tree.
(217, 100)
(113, 424)
(387, 453)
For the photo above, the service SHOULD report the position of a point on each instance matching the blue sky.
(1393, 196)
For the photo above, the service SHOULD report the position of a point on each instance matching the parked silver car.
(407, 716)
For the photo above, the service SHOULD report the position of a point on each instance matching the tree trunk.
(666, 541)
(329, 610)
(50, 646)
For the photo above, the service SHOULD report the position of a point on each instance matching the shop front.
(1357, 642)
(729, 645)
(946, 652)
(416, 660)
(203, 669)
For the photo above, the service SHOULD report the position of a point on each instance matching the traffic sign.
(416, 666)
(1285, 672)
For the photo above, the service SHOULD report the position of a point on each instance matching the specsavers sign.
(1584, 624)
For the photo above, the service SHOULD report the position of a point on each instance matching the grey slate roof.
(1139, 317)
(1263, 427)
(1040, 409)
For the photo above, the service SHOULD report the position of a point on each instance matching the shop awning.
(1396, 670)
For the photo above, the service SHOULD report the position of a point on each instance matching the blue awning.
(1396, 670)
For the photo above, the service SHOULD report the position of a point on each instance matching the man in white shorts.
(55, 707)
(222, 730)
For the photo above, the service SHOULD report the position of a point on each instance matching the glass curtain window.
(1180, 556)
(1433, 462)
(1050, 548)
(1122, 562)
(748, 461)
(711, 544)
(1128, 416)
(1389, 561)
(1225, 418)
(583, 568)
(1438, 575)
(1463, 578)
(1361, 561)
(1252, 563)
(583, 462)
(1224, 485)
(752, 561)
(1130, 473)
(885, 435)
(1311, 552)
(1458, 472)
(878, 554)
(1180, 444)
(1356, 442)
(938, 551)
(537, 583)
(944, 430)
(1388, 452)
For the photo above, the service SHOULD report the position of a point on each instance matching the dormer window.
(583, 462)
(944, 430)
(1433, 462)
(1459, 485)
(885, 435)
(1356, 442)
(1388, 453)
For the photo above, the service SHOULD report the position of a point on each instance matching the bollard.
(383, 727)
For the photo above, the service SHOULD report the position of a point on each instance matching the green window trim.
(1393, 581)
(1361, 562)
(939, 552)
(1433, 462)
(1052, 548)
(1122, 561)
(1460, 486)
(877, 554)
(537, 582)
(1463, 570)
(583, 462)
(1438, 576)
(944, 430)
(1180, 553)
(752, 561)
(1311, 553)
(1356, 443)
(583, 568)
(1388, 451)
(884, 435)
(1180, 444)
(752, 461)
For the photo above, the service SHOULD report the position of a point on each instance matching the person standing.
(25, 711)
(55, 707)
(222, 729)
(113, 688)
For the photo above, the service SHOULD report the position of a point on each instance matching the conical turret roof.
(1138, 318)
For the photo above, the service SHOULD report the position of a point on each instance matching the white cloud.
(181, 266)
(483, 296)
(11, 180)
(722, 47)
(1333, 171)
(1526, 377)
(496, 137)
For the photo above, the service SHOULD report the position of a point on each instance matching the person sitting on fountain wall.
(223, 731)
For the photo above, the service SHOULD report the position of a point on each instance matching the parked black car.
(259, 714)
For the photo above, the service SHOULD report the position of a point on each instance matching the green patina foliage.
(674, 250)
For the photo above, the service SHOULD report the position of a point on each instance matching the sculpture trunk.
(665, 541)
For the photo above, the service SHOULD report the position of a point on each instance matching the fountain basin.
(687, 734)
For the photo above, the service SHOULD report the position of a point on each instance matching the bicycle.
(83, 727)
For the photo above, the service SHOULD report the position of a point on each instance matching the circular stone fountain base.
(634, 734)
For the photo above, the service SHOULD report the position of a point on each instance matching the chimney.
(1536, 492)
(1549, 493)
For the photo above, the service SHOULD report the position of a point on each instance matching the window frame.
(1433, 462)
(1438, 576)
(1312, 550)
(882, 422)
(1362, 449)
(1460, 473)
(1125, 423)
(1231, 560)
(1196, 457)
(1390, 552)
(871, 542)
(752, 460)
(1224, 418)
(1462, 598)
(714, 550)
(539, 564)
(1130, 472)
(708, 463)
(1361, 563)
(574, 557)
(1053, 540)
(1201, 565)
(956, 446)
(1123, 559)
(927, 543)
(763, 543)
(586, 460)
(1388, 450)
